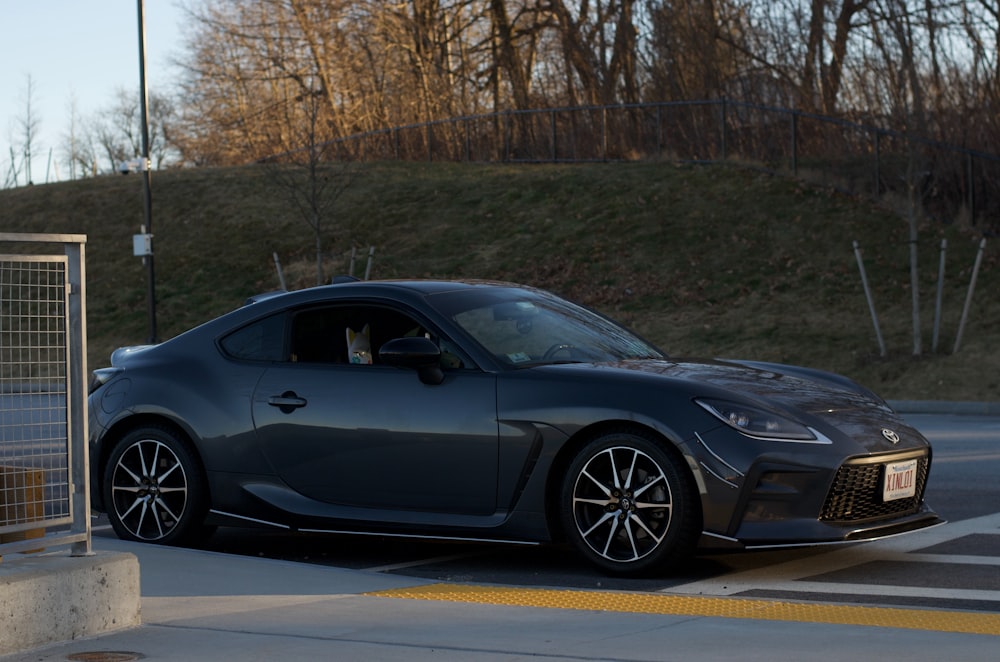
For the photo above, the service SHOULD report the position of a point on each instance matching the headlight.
(756, 422)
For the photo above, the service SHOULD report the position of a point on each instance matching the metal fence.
(949, 182)
(44, 499)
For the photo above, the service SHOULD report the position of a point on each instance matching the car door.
(375, 436)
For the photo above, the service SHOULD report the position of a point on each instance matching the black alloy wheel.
(629, 505)
(153, 489)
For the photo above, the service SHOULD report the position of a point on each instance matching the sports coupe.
(491, 412)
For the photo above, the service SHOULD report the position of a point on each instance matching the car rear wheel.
(153, 488)
(629, 505)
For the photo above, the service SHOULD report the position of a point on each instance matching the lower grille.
(856, 493)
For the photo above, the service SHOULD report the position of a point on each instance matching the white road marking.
(793, 575)
(415, 564)
(966, 457)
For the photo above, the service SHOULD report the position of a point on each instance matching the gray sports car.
(489, 411)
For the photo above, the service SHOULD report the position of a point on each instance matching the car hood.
(817, 398)
(813, 391)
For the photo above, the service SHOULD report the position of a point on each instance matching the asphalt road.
(954, 566)
(963, 481)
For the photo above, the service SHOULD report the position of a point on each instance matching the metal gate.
(44, 498)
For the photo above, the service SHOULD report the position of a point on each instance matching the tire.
(629, 506)
(153, 488)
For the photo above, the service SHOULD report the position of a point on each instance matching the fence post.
(659, 130)
(506, 136)
(722, 133)
(604, 133)
(968, 298)
(552, 130)
(368, 266)
(940, 296)
(79, 458)
(971, 187)
(281, 273)
(871, 303)
(878, 164)
(795, 143)
(468, 141)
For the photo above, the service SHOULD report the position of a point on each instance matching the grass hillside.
(704, 261)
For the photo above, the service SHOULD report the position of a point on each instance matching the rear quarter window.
(263, 340)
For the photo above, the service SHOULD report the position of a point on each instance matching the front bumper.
(812, 498)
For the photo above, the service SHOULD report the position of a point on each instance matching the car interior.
(319, 335)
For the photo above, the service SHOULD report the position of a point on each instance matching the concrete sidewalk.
(199, 605)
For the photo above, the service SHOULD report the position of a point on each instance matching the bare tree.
(73, 145)
(893, 32)
(309, 173)
(11, 169)
(975, 88)
(10, 172)
(514, 51)
(435, 55)
(833, 68)
(704, 49)
(598, 45)
(382, 64)
(116, 130)
(27, 130)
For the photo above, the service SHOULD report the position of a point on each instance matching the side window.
(354, 334)
(318, 337)
(262, 340)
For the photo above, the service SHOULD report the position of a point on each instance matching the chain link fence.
(44, 500)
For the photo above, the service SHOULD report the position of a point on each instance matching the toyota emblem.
(890, 435)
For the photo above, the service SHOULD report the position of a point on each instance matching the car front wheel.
(153, 488)
(629, 505)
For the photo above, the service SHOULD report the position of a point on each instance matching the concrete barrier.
(50, 598)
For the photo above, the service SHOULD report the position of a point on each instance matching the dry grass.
(708, 261)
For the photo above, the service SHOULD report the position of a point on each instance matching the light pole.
(144, 168)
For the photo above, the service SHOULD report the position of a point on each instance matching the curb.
(58, 598)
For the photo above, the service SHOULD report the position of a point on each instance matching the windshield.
(526, 327)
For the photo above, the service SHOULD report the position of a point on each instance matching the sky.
(85, 49)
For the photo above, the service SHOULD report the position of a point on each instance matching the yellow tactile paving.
(653, 603)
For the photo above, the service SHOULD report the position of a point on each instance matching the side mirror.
(416, 352)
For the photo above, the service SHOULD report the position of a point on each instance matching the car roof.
(266, 303)
(414, 286)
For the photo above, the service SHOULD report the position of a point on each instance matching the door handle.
(287, 402)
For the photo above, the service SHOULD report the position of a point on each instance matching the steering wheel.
(551, 352)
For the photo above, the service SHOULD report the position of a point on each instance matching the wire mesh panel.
(43, 460)
(34, 450)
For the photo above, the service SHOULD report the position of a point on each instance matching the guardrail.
(44, 473)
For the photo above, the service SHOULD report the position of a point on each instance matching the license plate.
(900, 480)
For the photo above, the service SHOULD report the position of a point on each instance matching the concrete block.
(57, 597)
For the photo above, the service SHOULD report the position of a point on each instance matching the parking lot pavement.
(200, 605)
